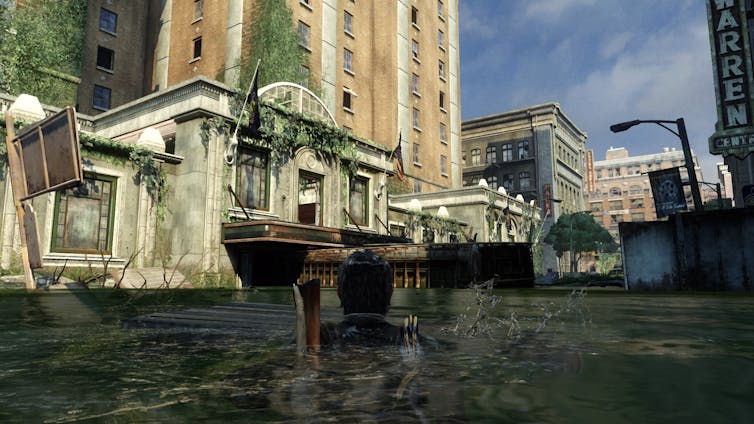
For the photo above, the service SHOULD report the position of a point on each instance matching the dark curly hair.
(365, 283)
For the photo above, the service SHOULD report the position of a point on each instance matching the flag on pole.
(398, 155)
(252, 102)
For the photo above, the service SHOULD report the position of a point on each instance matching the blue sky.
(604, 61)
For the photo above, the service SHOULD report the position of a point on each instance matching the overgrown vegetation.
(40, 48)
(275, 42)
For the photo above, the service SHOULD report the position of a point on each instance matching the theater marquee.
(731, 63)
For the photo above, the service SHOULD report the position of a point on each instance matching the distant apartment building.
(536, 152)
(382, 69)
(621, 189)
(726, 181)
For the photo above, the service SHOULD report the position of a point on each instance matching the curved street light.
(681, 125)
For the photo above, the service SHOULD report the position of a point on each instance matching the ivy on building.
(40, 48)
(284, 131)
(275, 43)
(436, 223)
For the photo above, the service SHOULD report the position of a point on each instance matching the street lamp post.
(623, 126)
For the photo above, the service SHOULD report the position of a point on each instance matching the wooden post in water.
(17, 185)
(306, 297)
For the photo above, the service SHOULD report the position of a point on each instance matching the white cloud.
(550, 9)
(615, 44)
(476, 21)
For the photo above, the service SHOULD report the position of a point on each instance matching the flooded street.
(539, 355)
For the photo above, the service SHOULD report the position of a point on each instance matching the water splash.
(479, 317)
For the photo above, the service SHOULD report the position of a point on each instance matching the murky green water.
(543, 356)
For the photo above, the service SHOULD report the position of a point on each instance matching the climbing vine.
(434, 222)
(283, 132)
(151, 173)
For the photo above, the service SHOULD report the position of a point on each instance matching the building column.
(162, 50)
(233, 43)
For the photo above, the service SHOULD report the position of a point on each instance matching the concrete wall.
(691, 251)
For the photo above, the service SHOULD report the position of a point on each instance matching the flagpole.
(251, 84)
(230, 151)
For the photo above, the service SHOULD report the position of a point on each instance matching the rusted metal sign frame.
(49, 155)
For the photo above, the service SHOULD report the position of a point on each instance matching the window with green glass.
(83, 221)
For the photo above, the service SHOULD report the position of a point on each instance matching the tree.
(40, 48)
(577, 233)
(275, 42)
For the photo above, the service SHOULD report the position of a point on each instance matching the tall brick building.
(383, 68)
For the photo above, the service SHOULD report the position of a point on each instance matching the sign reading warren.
(731, 62)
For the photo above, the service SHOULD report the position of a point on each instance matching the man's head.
(365, 283)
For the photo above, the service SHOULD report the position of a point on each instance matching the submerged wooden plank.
(252, 319)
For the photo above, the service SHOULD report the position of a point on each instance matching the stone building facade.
(536, 152)
(382, 71)
(116, 217)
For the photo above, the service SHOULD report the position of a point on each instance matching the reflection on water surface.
(544, 356)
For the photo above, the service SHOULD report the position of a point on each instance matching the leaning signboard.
(731, 63)
(50, 156)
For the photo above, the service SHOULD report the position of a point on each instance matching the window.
(198, 9)
(463, 158)
(507, 152)
(252, 173)
(428, 234)
(441, 69)
(108, 21)
(616, 205)
(197, 48)
(491, 155)
(476, 156)
(523, 149)
(305, 2)
(508, 182)
(443, 133)
(101, 98)
(637, 203)
(83, 220)
(615, 191)
(415, 50)
(492, 182)
(637, 217)
(303, 34)
(347, 100)
(414, 16)
(415, 114)
(348, 23)
(635, 189)
(440, 39)
(443, 165)
(348, 61)
(415, 84)
(595, 206)
(524, 180)
(304, 72)
(442, 100)
(358, 201)
(416, 153)
(439, 8)
(417, 186)
(105, 58)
